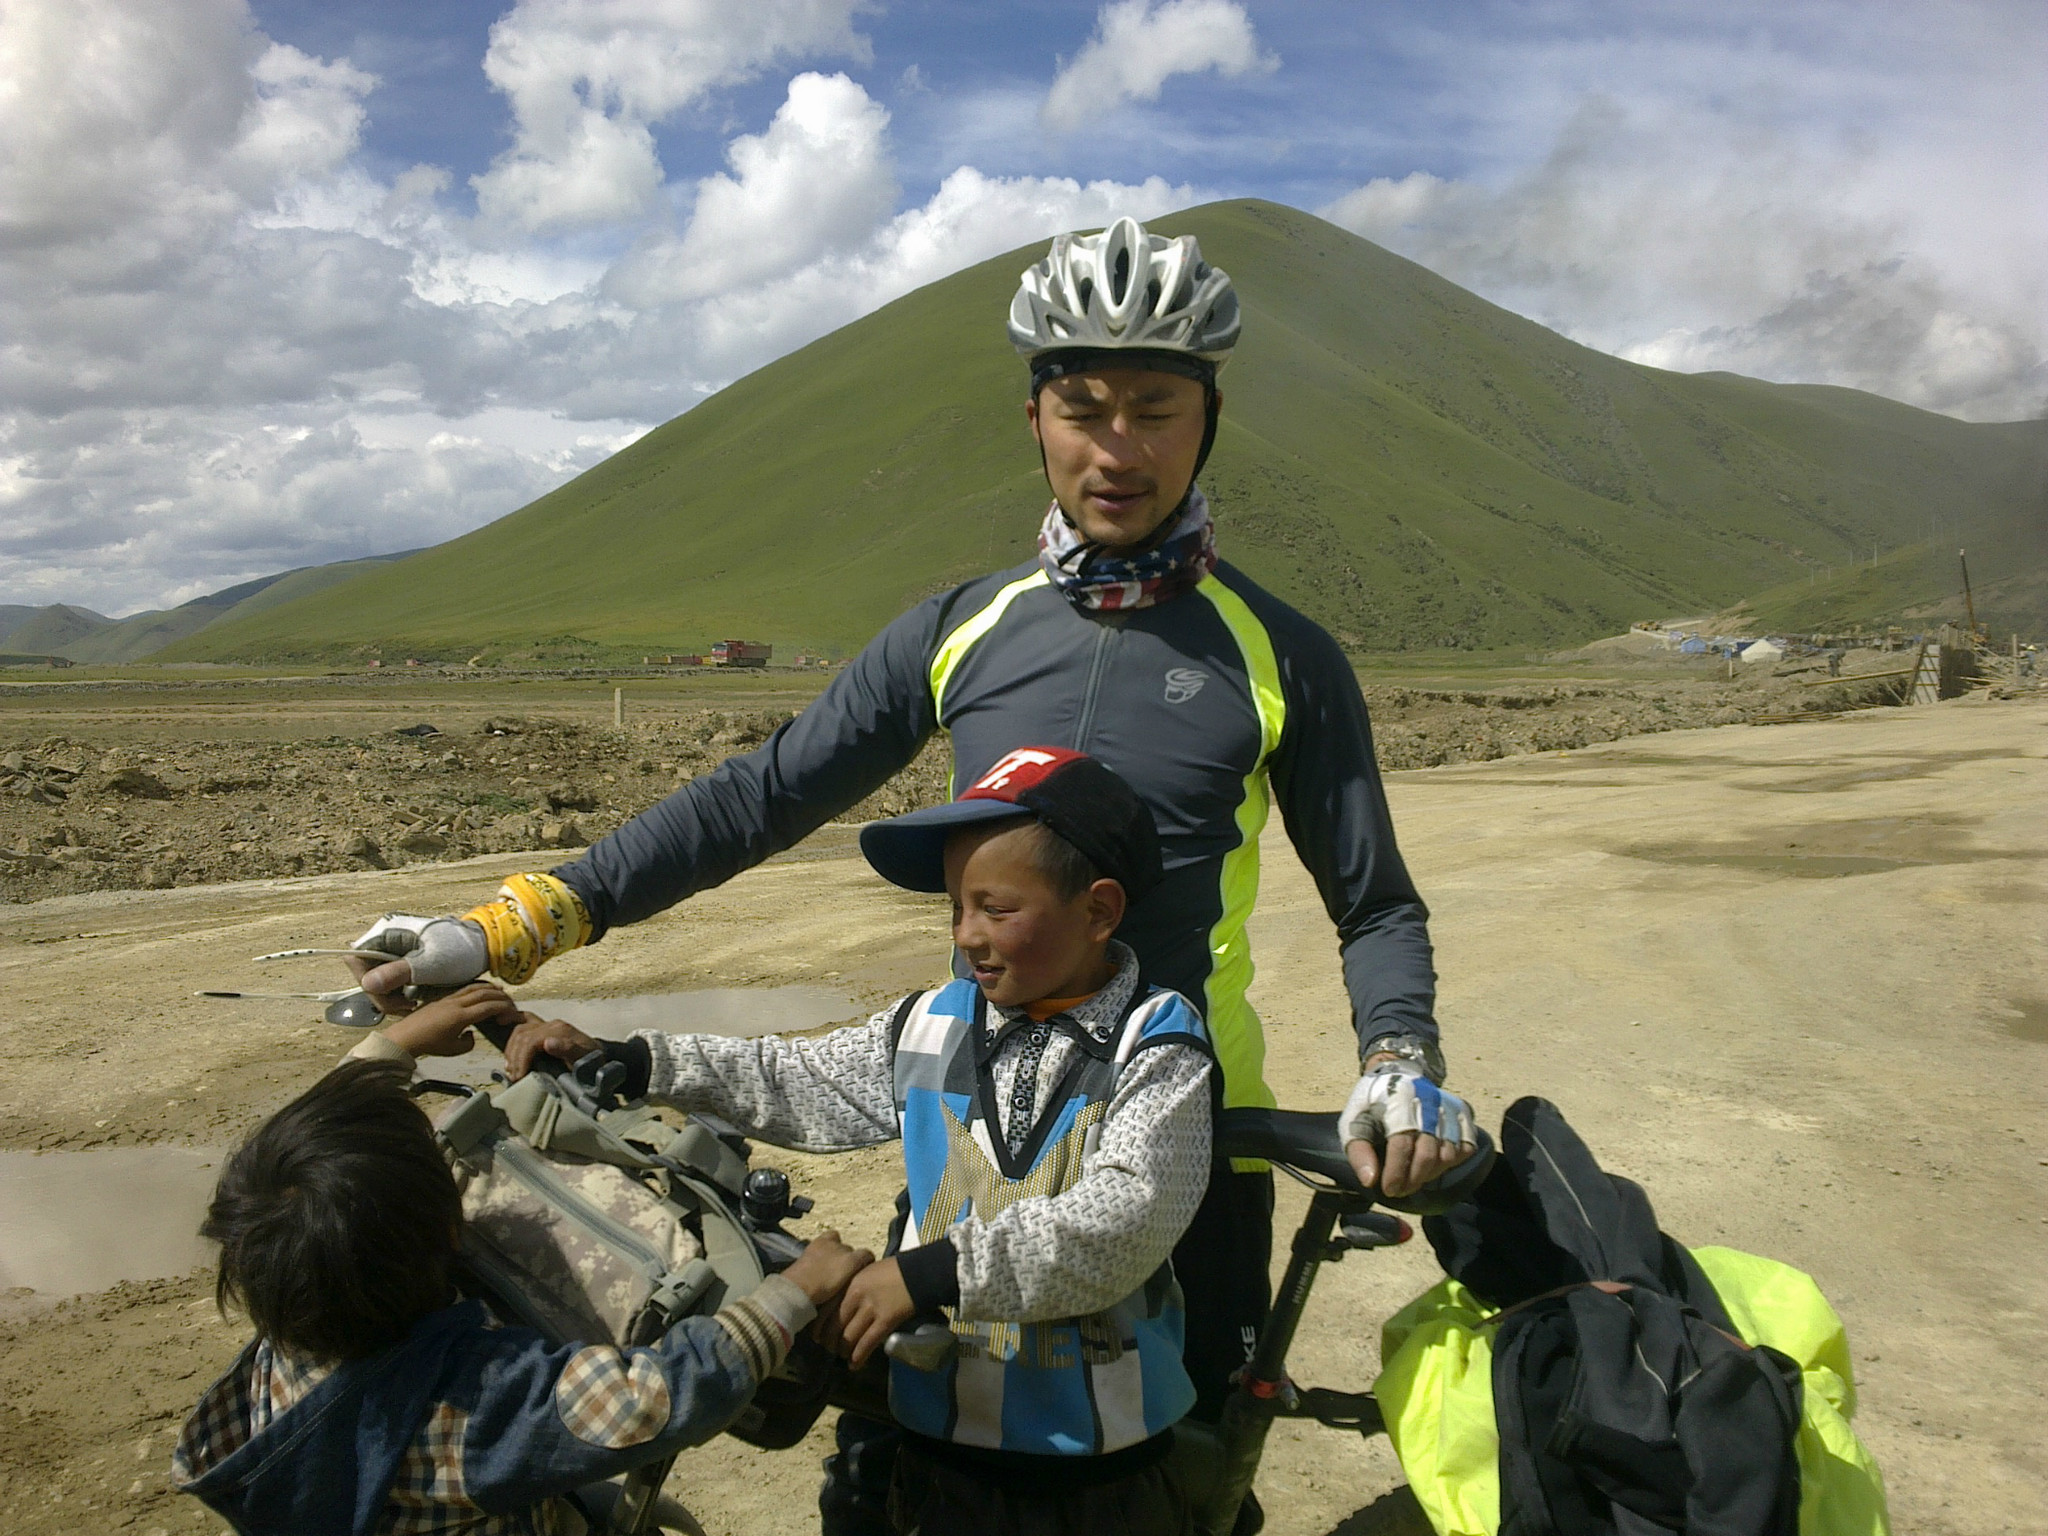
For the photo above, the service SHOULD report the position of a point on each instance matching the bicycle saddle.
(1307, 1140)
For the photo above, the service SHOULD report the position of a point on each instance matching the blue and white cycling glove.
(1395, 1097)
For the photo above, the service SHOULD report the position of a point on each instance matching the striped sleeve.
(765, 1323)
(378, 1046)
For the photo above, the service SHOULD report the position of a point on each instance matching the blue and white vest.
(1078, 1386)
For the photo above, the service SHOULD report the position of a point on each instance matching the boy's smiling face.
(1024, 940)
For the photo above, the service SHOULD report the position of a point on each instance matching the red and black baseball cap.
(1079, 798)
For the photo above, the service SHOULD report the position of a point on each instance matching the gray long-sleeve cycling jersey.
(1213, 705)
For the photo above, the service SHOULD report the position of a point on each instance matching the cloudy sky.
(285, 281)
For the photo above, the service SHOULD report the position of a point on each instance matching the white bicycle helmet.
(1125, 290)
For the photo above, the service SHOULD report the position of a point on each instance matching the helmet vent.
(1124, 288)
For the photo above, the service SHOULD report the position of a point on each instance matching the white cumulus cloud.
(970, 218)
(227, 347)
(1139, 45)
(1699, 201)
(817, 179)
(586, 78)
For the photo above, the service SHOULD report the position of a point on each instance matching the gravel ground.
(199, 806)
(1789, 981)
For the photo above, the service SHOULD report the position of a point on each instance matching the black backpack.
(1626, 1403)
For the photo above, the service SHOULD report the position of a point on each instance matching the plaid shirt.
(598, 1410)
(426, 1498)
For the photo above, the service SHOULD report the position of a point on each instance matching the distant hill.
(1408, 463)
(80, 635)
(53, 630)
(143, 634)
(2000, 513)
(13, 616)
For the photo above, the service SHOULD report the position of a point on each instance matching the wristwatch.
(1427, 1056)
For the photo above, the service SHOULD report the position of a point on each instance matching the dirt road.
(1791, 979)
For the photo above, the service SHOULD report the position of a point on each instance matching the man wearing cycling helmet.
(1128, 639)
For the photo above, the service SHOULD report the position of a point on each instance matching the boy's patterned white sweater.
(1056, 1256)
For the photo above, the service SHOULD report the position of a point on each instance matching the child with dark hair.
(1055, 1117)
(337, 1219)
(372, 1399)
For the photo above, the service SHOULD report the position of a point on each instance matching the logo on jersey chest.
(1183, 683)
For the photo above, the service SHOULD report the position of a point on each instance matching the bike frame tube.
(1266, 1372)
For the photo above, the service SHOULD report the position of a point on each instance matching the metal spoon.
(353, 1010)
(300, 954)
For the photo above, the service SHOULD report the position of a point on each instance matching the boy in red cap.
(1055, 1114)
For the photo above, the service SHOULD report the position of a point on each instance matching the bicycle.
(1216, 1464)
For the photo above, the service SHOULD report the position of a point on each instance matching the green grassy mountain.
(53, 630)
(80, 635)
(147, 634)
(13, 616)
(2000, 513)
(1408, 463)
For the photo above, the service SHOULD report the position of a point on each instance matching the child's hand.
(442, 1028)
(536, 1036)
(875, 1305)
(825, 1267)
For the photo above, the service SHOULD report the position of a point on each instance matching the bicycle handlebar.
(1308, 1140)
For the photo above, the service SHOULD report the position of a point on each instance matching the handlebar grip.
(499, 1033)
(1308, 1140)
(1452, 1188)
(927, 1347)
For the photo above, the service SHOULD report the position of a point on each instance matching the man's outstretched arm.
(865, 727)
(1401, 1127)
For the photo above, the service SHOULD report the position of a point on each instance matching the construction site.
(1788, 977)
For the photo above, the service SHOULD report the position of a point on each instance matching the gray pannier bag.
(595, 1225)
(598, 1224)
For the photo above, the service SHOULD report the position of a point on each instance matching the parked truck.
(740, 653)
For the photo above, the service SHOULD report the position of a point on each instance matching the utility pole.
(1969, 602)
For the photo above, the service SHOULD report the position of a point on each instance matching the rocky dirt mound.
(1426, 728)
(75, 818)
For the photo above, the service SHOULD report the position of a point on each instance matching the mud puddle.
(72, 1222)
(1835, 849)
(1919, 767)
(2030, 1021)
(744, 1012)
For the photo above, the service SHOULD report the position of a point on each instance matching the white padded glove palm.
(446, 952)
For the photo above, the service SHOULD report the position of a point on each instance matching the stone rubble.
(73, 818)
